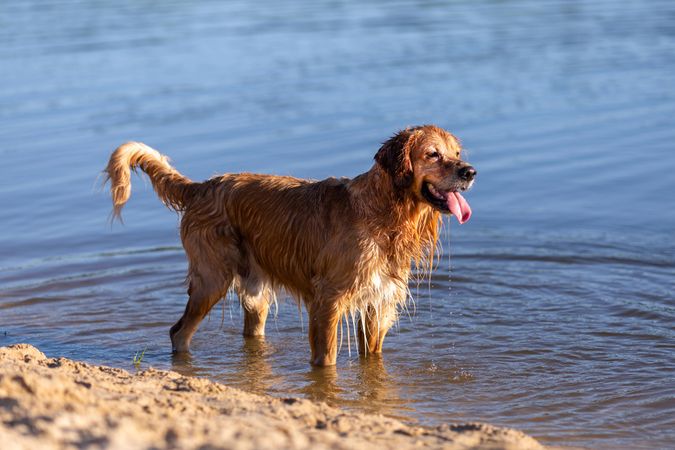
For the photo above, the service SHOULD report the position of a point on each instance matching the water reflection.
(251, 370)
(255, 369)
(375, 384)
(322, 385)
(182, 363)
(364, 384)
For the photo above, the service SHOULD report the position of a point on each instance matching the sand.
(57, 403)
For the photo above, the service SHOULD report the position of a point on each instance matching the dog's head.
(425, 161)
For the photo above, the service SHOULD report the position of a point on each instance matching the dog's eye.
(433, 154)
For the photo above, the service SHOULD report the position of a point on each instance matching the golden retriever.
(344, 247)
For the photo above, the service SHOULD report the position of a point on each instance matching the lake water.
(552, 310)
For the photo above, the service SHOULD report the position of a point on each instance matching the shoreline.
(57, 403)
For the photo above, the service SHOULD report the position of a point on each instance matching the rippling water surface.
(551, 311)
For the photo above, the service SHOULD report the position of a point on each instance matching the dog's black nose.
(467, 173)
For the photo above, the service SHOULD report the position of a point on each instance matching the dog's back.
(281, 229)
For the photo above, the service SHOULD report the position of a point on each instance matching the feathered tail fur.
(171, 187)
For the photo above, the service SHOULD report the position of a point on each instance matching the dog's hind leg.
(210, 275)
(202, 298)
(254, 292)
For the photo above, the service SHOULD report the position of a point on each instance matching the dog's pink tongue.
(459, 207)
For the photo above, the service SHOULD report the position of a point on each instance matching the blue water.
(551, 311)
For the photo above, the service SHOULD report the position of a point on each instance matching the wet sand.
(60, 403)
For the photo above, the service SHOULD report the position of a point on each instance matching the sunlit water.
(551, 311)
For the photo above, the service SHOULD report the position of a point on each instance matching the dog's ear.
(394, 157)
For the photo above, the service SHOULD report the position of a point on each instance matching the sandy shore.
(59, 403)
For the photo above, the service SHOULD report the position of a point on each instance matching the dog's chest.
(379, 291)
(376, 286)
(383, 285)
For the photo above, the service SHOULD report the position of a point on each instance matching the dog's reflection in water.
(251, 371)
(257, 375)
(362, 384)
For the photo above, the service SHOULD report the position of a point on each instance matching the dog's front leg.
(373, 327)
(254, 320)
(323, 323)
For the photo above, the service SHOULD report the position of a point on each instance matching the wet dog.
(343, 247)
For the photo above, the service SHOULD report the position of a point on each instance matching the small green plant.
(138, 358)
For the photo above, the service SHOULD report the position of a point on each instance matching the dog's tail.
(171, 187)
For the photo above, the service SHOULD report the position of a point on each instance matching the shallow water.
(551, 311)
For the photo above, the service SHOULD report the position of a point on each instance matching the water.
(551, 311)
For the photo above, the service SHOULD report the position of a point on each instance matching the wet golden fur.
(343, 247)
